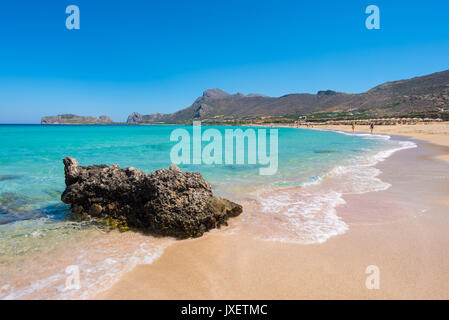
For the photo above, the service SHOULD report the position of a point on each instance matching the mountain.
(74, 119)
(421, 96)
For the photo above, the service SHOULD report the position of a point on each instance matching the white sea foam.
(308, 214)
(366, 135)
(305, 214)
(301, 217)
(100, 265)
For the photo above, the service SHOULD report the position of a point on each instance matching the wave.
(99, 260)
(307, 214)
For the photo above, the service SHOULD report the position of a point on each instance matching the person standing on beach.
(371, 126)
(353, 127)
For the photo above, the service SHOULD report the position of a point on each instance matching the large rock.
(165, 202)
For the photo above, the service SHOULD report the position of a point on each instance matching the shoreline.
(434, 133)
(229, 265)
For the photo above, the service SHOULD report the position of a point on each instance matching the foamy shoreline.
(231, 265)
(436, 133)
(113, 273)
(307, 214)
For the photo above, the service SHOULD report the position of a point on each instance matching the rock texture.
(134, 117)
(165, 202)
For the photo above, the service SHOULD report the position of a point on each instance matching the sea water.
(39, 238)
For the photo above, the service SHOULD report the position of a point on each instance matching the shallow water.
(297, 204)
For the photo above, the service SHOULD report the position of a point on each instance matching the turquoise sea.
(296, 204)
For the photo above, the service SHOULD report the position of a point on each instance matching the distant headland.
(74, 119)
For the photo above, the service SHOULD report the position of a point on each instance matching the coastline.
(401, 230)
(435, 133)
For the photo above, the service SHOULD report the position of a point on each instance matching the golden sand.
(403, 231)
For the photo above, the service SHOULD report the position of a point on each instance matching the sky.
(159, 56)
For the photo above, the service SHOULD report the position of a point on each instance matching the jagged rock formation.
(165, 202)
(74, 119)
(134, 117)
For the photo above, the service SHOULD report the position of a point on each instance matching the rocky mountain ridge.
(426, 95)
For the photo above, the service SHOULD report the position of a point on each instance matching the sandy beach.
(402, 231)
(217, 151)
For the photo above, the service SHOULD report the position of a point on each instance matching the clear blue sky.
(158, 56)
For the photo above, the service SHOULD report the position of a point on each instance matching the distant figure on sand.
(371, 126)
(353, 127)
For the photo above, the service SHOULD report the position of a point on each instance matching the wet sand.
(402, 231)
